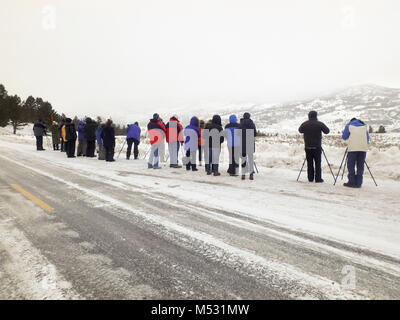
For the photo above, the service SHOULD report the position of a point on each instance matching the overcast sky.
(115, 57)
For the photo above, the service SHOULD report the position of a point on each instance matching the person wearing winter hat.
(357, 137)
(82, 144)
(108, 136)
(192, 135)
(214, 137)
(312, 131)
(69, 135)
(233, 142)
(90, 133)
(248, 134)
(156, 131)
(39, 129)
(133, 137)
(174, 137)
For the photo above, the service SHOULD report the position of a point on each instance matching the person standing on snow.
(192, 134)
(39, 129)
(214, 138)
(233, 141)
(248, 143)
(54, 135)
(357, 137)
(133, 137)
(202, 125)
(68, 132)
(174, 139)
(81, 139)
(312, 130)
(102, 151)
(108, 136)
(90, 133)
(62, 123)
(156, 131)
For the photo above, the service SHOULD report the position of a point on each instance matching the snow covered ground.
(360, 220)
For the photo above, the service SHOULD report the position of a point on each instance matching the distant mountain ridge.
(375, 105)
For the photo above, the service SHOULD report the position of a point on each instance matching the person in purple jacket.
(81, 139)
(133, 137)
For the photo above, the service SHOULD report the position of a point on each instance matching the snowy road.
(121, 231)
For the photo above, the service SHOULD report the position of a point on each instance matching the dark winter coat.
(232, 138)
(133, 132)
(108, 136)
(312, 130)
(81, 131)
(215, 124)
(90, 130)
(39, 129)
(192, 134)
(174, 130)
(156, 129)
(247, 124)
(70, 132)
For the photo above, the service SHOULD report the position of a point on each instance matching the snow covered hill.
(374, 104)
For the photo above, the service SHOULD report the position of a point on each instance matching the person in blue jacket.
(233, 141)
(102, 152)
(192, 135)
(357, 137)
(133, 137)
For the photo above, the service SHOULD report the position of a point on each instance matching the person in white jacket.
(357, 137)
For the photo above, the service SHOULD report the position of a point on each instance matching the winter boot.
(188, 167)
(216, 174)
(149, 166)
(194, 168)
(251, 176)
(243, 177)
(156, 166)
(208, 173)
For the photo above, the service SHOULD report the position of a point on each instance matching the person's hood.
(173, 118)
(357, 123)
(194, 122)
(217, 120)
(233, 119)
(312, 115)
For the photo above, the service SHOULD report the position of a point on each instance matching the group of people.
(357, 137)
(87, 133)
(202, 140)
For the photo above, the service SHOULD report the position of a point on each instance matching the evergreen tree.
(17, 112)
(4, 112)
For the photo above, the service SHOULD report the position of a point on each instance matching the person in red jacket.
(174, 139)
(156, 131)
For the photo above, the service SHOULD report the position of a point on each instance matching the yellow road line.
(39, 202)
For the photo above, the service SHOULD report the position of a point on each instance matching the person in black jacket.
(249, 132)
(108, 136)
(70, 138)
(312, 130)
(90, 132)
(39, 129)
(213, 140)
